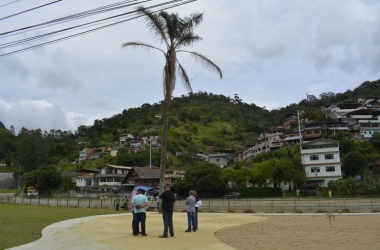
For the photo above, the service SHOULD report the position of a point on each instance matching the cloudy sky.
(271, 52)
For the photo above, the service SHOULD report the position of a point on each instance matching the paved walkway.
(114, 232)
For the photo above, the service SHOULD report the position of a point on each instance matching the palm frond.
(155, 24)
(184, 77)
(194, 20)
(137, 45)
(204, 61)
(187, 40)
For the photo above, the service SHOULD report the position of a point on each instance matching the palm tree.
(175, 33)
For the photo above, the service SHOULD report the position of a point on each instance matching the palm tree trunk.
(165, 127)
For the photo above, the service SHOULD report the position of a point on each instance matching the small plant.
(262, 226)
(330, 216)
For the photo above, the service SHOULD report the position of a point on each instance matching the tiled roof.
(115, 166)
(86, 176)
(147, 172)
(70, 174)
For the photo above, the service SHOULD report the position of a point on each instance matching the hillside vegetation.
(197, 121)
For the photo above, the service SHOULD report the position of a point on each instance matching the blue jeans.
(168, 223)
(137, 218)
(190, 220)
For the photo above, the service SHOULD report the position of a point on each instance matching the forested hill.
(201, 119)
(196, 121)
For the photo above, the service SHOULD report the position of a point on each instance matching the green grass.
(21, 224)
(4, 191)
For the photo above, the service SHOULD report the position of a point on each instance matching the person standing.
(158, 202)
(140, 202)
(167, 205)
(117, 202)
(195, 193)
(190, 203)
(125, 203)
(134, 193)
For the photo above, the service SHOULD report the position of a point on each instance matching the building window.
(329, 156)
(309, 132)
(315, 170)
(330, 169)
(314, 157)
(217, 160)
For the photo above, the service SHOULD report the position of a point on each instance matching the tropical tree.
(354, 163)
(175, 33)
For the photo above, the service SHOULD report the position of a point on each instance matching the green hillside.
(197, 121)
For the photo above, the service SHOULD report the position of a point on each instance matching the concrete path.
(114, 232)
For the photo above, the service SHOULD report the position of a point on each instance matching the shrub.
(256, 191)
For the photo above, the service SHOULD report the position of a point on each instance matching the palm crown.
(176, 33)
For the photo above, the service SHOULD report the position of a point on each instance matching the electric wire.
(30, 10)
(75, 16)
(174, 3)
(9, 3)
(26, 40)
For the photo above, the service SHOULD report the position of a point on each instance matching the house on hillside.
(223, 157)
(93, 153)
(288, 119)
(368, 122)
(321, 161)
(86, 178)
(110, 177)
(150, 176)
(124, 138)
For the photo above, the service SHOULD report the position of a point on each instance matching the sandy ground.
(305, 232)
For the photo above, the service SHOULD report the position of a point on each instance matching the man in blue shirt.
(140, 203)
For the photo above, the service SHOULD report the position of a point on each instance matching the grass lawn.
(4, 191)
(21, 224)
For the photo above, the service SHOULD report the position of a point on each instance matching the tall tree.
(175, 33)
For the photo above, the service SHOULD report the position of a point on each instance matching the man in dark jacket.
(167, 204)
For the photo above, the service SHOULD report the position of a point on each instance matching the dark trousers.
(137, 219)
(133, 222)
(168, 223)
(196, 220)
(190, 220)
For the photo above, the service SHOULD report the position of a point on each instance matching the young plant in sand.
(330, 216)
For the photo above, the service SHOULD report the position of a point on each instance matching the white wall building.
(111, 176)
(321, 160)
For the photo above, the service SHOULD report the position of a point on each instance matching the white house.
(86, 178)
(111, 176)
(321, 160)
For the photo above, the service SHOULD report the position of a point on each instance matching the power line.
(9, 3)
(76, 16)
(172, 4)
(30, 9)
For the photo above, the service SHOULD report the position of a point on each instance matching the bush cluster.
(256, 191)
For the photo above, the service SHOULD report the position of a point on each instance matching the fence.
(268, 205)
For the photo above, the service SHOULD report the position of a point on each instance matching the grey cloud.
(56, 73)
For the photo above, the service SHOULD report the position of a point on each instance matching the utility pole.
(19, 170)
(150, 152)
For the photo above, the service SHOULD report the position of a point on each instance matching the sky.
(272, 53)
